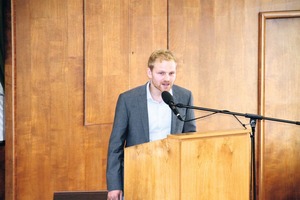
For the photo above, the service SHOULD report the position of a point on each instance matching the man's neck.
(155, 93)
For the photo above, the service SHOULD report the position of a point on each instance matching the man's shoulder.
(139, 90)
(179, 89)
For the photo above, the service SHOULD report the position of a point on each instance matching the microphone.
(168, 99)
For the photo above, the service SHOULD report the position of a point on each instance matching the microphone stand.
(253, 120)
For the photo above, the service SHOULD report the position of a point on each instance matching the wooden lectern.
(193, 166)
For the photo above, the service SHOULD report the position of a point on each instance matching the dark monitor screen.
(77, 195)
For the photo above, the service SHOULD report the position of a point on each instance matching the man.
(142, 116)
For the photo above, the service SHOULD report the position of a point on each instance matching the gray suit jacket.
(131, 127)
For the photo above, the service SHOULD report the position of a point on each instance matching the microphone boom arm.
(247, 115)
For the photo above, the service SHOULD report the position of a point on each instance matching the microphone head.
(167, 97)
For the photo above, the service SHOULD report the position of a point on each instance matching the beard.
(165, 86)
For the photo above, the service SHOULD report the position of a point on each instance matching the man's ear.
(149, 72)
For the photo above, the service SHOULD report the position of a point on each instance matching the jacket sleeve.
(115, 157)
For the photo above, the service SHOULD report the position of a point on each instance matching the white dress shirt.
(159, 116)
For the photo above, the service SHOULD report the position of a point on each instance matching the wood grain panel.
(119, 37)
(216, 43)
(49, 147)
(211, 165)
(148, 31)
(279, 98)
(149, 161)
(52, 150)
(218, 166)
(106, 57)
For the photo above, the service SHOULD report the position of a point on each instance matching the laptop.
(80, 195)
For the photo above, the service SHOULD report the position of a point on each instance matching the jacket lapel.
(176, 98)
(143, 110)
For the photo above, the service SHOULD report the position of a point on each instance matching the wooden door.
(279, 86)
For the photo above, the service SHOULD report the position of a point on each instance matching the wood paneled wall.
(70, 60)
(120, 36)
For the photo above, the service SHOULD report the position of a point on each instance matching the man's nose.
(167, 77)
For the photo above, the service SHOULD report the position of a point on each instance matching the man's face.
(163, 75)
